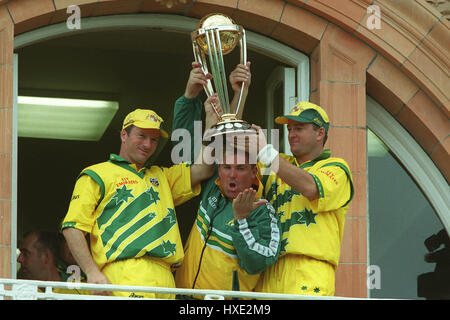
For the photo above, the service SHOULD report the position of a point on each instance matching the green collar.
(116, 158)
(324, 155)
(121, 162)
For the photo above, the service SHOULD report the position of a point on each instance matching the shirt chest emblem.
(154, 182)
(122, 195)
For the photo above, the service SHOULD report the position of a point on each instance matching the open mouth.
(232, 185)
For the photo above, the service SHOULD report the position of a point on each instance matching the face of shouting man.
(236, 175)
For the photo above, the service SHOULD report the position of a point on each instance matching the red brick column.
(338, 73)
(6, 105)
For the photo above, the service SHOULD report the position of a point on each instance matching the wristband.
(267, 155)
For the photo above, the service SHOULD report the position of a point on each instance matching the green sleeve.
(257, 239)
(186, 111)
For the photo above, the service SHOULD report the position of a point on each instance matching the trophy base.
(229, 124)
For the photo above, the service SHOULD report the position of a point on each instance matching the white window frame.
(285, 77)
(297, 78)
(173, 23)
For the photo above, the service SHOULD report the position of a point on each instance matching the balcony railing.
(29, 290)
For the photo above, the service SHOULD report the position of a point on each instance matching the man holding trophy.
(236, 235)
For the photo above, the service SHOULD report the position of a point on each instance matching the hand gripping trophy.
(217, 35)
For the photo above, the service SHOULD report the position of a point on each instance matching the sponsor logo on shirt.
(125, 181)
(330, 175)
(212, 202)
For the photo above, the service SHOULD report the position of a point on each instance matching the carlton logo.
(125, 181)
(330, 175)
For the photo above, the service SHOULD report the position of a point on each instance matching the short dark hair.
(317, 127)
(129, 128)
(46, 240)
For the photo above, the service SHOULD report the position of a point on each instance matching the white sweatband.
(267, 155)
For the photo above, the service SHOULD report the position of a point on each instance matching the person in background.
(38, 252)
(39, 260)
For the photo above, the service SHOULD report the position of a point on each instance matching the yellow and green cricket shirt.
(313, 228)
(222, 253)
(130, 213)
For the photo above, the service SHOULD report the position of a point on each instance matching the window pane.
(400, 219)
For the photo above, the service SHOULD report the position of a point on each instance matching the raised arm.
(241, 75)
(202, 168)
(197, 80)
(256, 232)
(188, 107)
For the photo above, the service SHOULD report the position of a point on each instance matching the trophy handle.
(202, 60)
(217, 66)
(243, 47)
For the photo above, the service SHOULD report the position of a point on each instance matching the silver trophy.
(217, 35)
